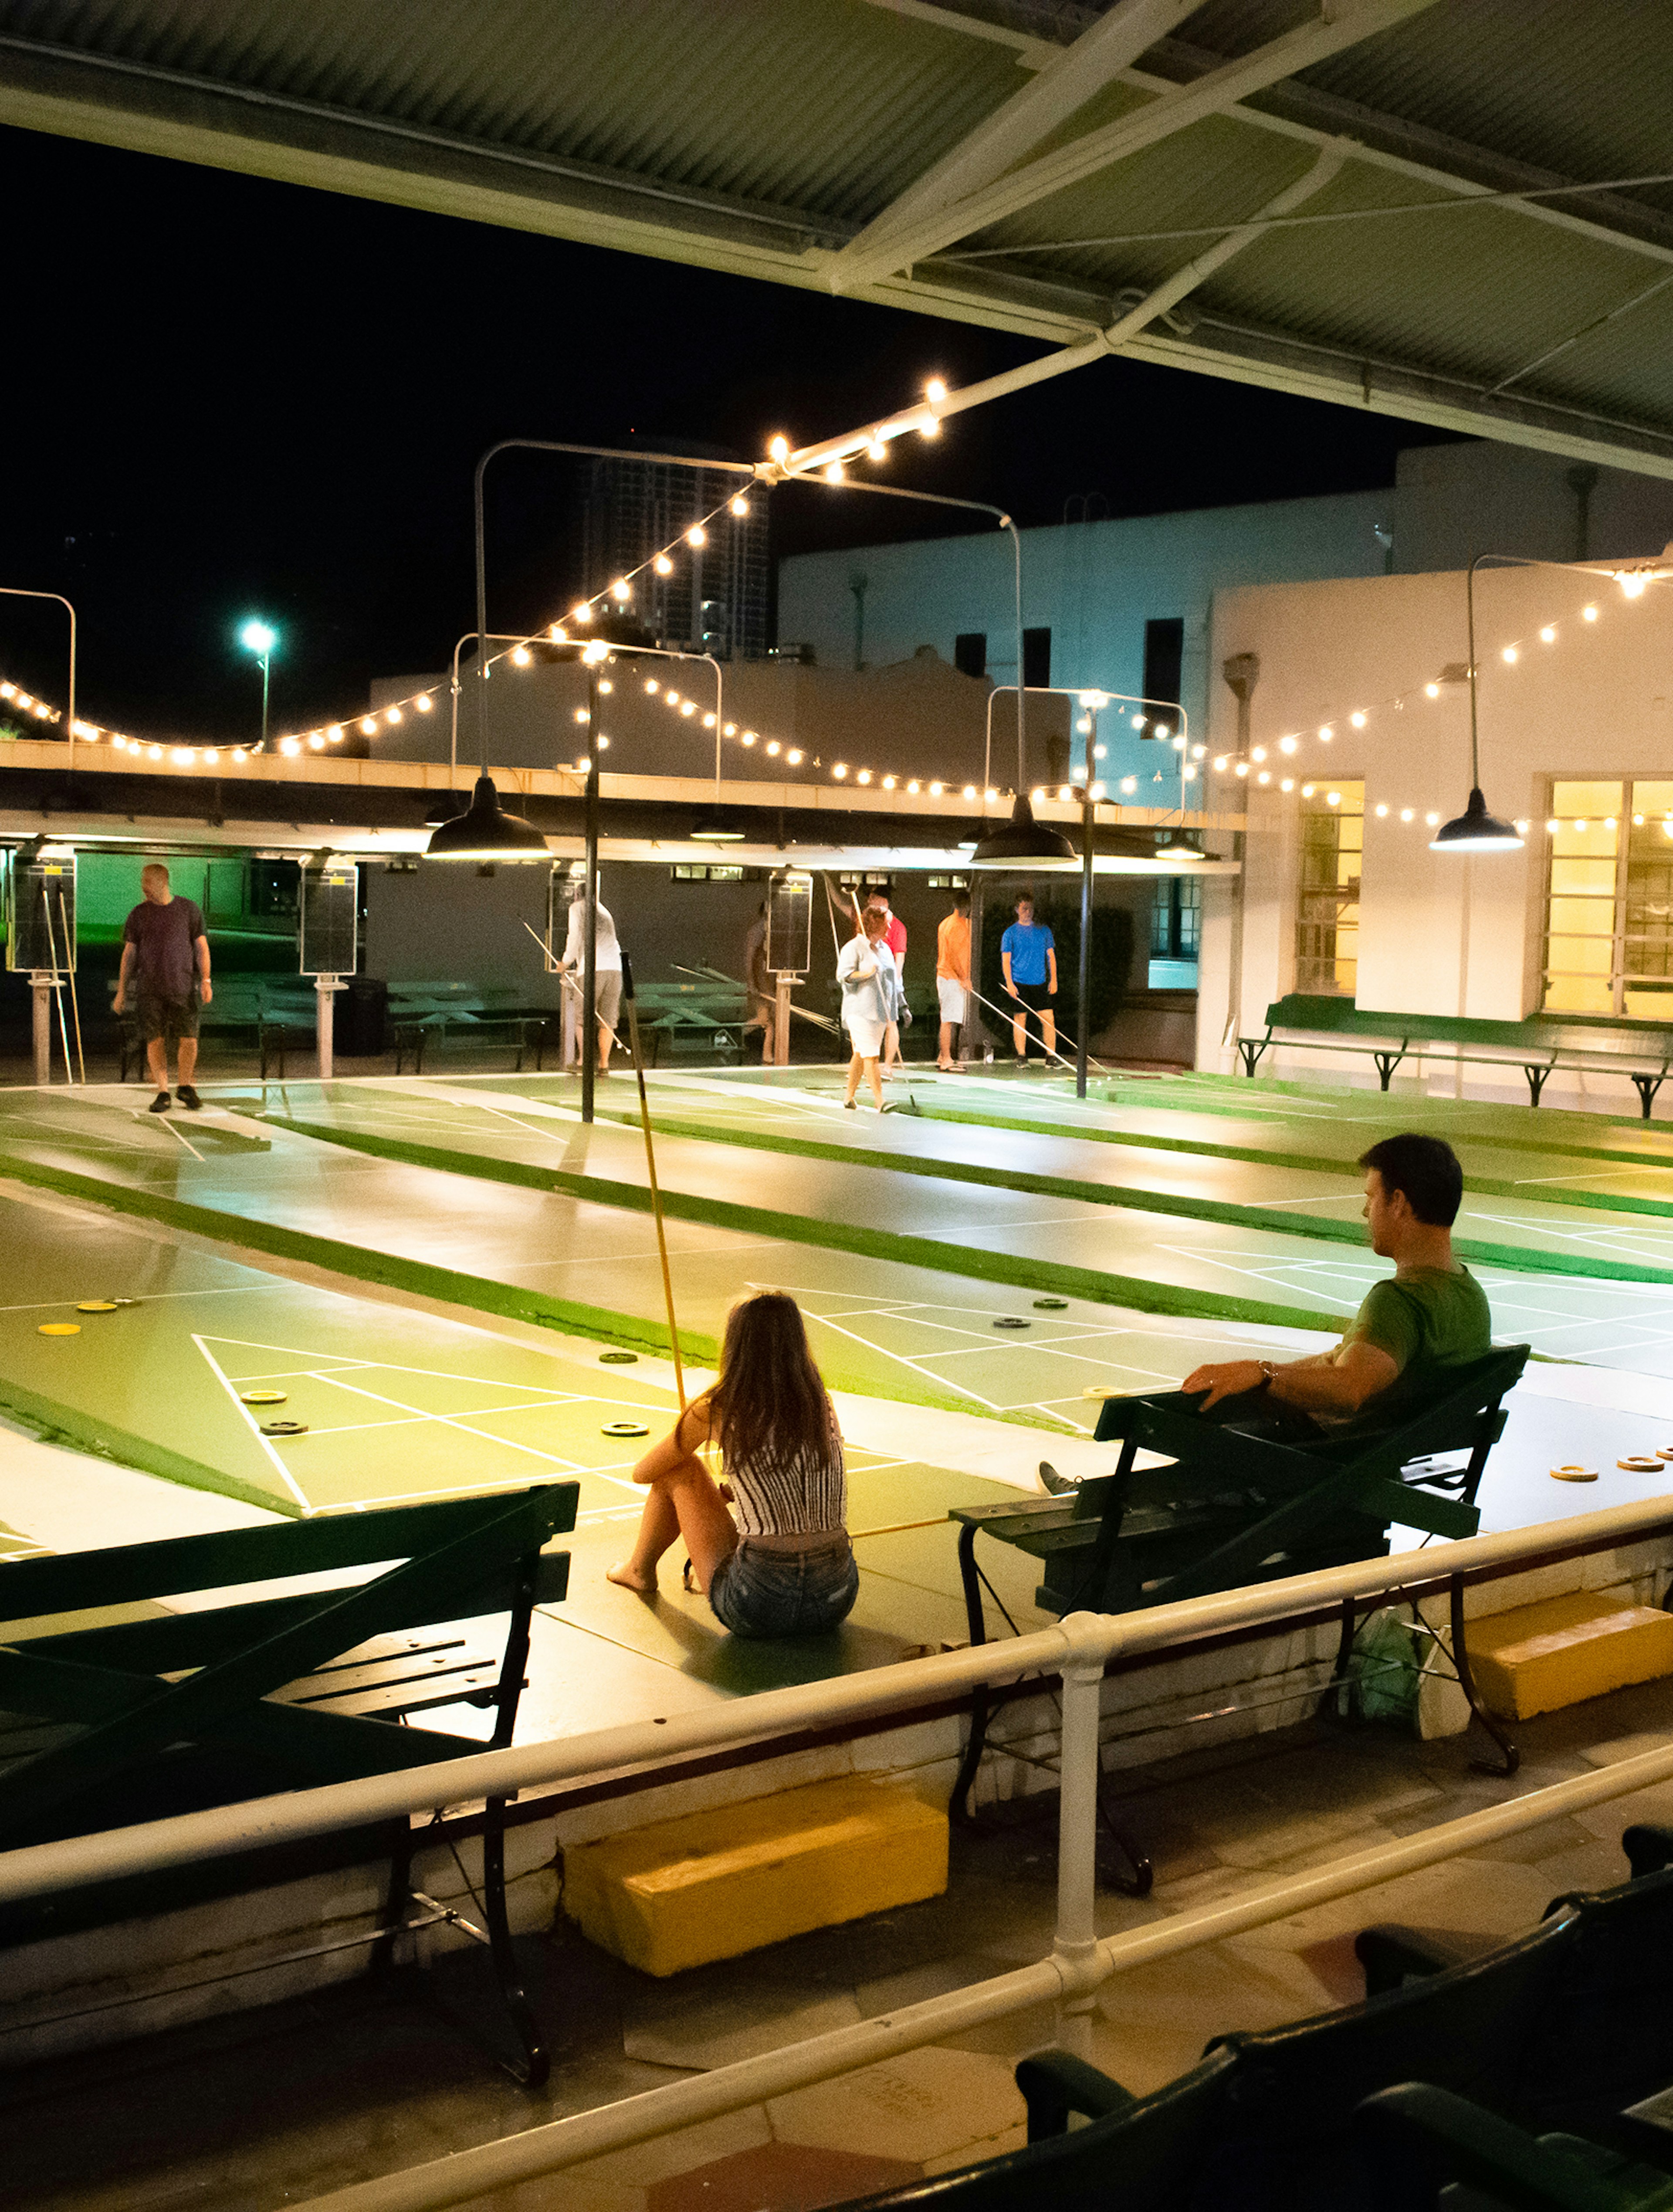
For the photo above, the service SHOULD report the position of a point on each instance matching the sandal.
(688, 1579)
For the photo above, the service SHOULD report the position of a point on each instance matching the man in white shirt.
(607, 960)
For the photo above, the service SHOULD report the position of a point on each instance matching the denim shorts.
(758, 1591)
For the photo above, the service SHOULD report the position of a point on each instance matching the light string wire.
(1634, 580)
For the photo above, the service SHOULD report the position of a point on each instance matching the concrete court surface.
(500, 1122)
(512, 1236)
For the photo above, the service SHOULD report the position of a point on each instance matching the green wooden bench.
(424, 1017)
(706, 1011)
(106, 1723)
(281, 1011)
(1541, 1046)
(1229, 1509)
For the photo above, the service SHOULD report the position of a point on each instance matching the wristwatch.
(1268, 1369)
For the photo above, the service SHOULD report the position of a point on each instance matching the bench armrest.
(1054, 2085)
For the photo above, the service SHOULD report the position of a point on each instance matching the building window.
(946, 883)
(1037, 659)
(1164, 666)
(970, 653)
(1176, 919)
(704, 872)
(1327, 907)
(1608, 913)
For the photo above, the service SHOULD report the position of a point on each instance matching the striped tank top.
(807, 1496)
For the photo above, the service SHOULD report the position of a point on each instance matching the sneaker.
(160, 1103)
(188, 1098)
(1056, 1485)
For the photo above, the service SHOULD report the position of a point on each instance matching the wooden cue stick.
(651, 1169)
(74, 1003)
(58, 990)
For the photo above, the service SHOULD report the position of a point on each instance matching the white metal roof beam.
(1099, 57)
(1166, 295)
(907, 241)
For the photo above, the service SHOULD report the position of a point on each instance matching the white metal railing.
(1078, 1649)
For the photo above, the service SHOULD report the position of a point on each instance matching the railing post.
(1076, 1943)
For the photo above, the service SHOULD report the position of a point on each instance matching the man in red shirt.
(165, 954)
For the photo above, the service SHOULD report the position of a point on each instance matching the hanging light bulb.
(738, 506)
(581, 611)
(779, 448)
(521, 656)
(622, 590)
(697, 535)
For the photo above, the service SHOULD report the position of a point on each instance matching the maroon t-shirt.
(164, 939)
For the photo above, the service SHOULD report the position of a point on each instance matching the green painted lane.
(591, 1268)
(1034, 1195)
(395, 1404)
(1204, 1266)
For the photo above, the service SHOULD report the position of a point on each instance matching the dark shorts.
(762, 1593)
(1036, 995)
(169, 1020)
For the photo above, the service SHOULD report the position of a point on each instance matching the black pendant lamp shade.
(1475, 830)
(1023, 843)
(1176, 846)
(486, 832)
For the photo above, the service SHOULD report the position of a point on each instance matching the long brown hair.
(769, 1400)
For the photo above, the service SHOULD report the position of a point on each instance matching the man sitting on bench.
(1427, 1318)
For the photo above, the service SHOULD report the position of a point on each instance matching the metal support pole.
(1088, 809)
(267, 658)
(40, 1012)
(588, 1023)
(972, 1043)
(326, 990)
(781, 1023)
(1076, 1940)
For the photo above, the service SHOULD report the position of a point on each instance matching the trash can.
(362, 1018)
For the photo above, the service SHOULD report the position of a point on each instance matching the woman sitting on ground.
(785, 1567)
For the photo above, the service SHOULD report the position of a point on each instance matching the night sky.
(224, 396)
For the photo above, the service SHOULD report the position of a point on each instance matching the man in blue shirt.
(1028, 954)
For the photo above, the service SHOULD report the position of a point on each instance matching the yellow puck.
(60, 1328)
(95, 1305)
(1574, 1475)
(1639, 1463)
(262, 1397)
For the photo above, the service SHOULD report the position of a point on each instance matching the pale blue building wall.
(1094, 585)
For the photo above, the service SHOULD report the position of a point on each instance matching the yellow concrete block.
(714, 1884)
(1537, 1658)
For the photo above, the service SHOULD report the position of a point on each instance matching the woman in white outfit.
(870, 995)
(607, 991)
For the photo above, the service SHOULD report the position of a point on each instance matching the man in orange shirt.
(953, 979)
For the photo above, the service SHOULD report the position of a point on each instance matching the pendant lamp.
(1475, 831)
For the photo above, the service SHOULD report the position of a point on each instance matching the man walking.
(1028, 954)
(166, 957)
(953, 981)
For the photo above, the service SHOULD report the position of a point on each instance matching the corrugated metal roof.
(762, 134)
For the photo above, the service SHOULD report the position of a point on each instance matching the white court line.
(460, 1422)
(902, 1360)
(263, 1443)
(399, 1367)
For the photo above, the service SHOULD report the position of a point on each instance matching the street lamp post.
(42, 986)
(260, 638)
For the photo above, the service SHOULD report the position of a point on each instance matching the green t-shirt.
(1428, 1322)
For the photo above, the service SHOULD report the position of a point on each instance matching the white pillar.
(1076, 1941)
(40, 992)
(324, 986)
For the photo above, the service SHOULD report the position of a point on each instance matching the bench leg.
(1386, 1064)
(1331, 1706)
(1511, 1757)
(1648, 1086)
(1250, 1049)
(961, 1808)
(536, 2065)
(1535, 1082)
